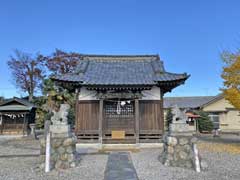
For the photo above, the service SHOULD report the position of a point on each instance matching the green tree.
(169, 118)
(204, 122)
(42, 112)
(53, 97)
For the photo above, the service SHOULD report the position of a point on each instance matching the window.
(214, 117)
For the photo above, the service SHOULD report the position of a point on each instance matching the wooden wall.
(151, 121)
(150, 114)
(87, 116)
(151, 117)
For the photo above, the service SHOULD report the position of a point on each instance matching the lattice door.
(119, 116)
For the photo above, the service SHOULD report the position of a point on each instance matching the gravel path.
(221, 166)
(120, 167)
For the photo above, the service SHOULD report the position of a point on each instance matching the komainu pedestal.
(179, 142)
(178, 151)
(63, 152)
(63, 143)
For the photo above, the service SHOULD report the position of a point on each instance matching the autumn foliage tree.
(61, 62)
(57, 63)
(231, 77)
(27, 72)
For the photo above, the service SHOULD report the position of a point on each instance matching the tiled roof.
(187, 102)
(120, 70)
(16, 104)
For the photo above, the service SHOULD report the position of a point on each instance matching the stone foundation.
(63, 152)
(178, 151)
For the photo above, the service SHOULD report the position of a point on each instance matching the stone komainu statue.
(179, 122)
(178, 115)
(60, 117)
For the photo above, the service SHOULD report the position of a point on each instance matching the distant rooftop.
(16, 104)
(187, 102)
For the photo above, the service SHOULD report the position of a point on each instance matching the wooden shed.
(120, 97)
(15, 116)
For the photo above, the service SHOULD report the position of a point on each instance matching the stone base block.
(180, 129)
(60, 131)
(178, 151)
(63, 152)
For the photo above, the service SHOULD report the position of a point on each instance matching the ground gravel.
(19, 160)
(19, 146)
(91, 167)
(222, 166)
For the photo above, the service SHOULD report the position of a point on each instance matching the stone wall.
(63, 152)
(178, 151)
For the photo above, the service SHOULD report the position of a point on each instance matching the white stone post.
(48, 151)
(197, 162)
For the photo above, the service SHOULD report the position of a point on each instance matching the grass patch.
(219, 147)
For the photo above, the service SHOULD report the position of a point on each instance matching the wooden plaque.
(118, 134)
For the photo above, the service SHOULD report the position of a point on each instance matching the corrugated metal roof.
(187, 102)
(120, 70)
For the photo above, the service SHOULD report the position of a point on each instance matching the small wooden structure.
(15, 116)
(120, 98)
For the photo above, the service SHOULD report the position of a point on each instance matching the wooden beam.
(125, 95)
(100, 124)
(137, 120)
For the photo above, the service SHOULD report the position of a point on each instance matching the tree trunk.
(30, 97)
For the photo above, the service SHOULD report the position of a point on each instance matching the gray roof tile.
(120, 70)
(187, 102)
(16, 104)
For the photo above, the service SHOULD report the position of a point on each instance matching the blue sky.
(188, 35)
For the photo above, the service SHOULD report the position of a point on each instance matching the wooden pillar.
(24, 123)
(162, 111)
(1, 116)
(100, 123)
(137, 120)
(27, 121)
(77, 91)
